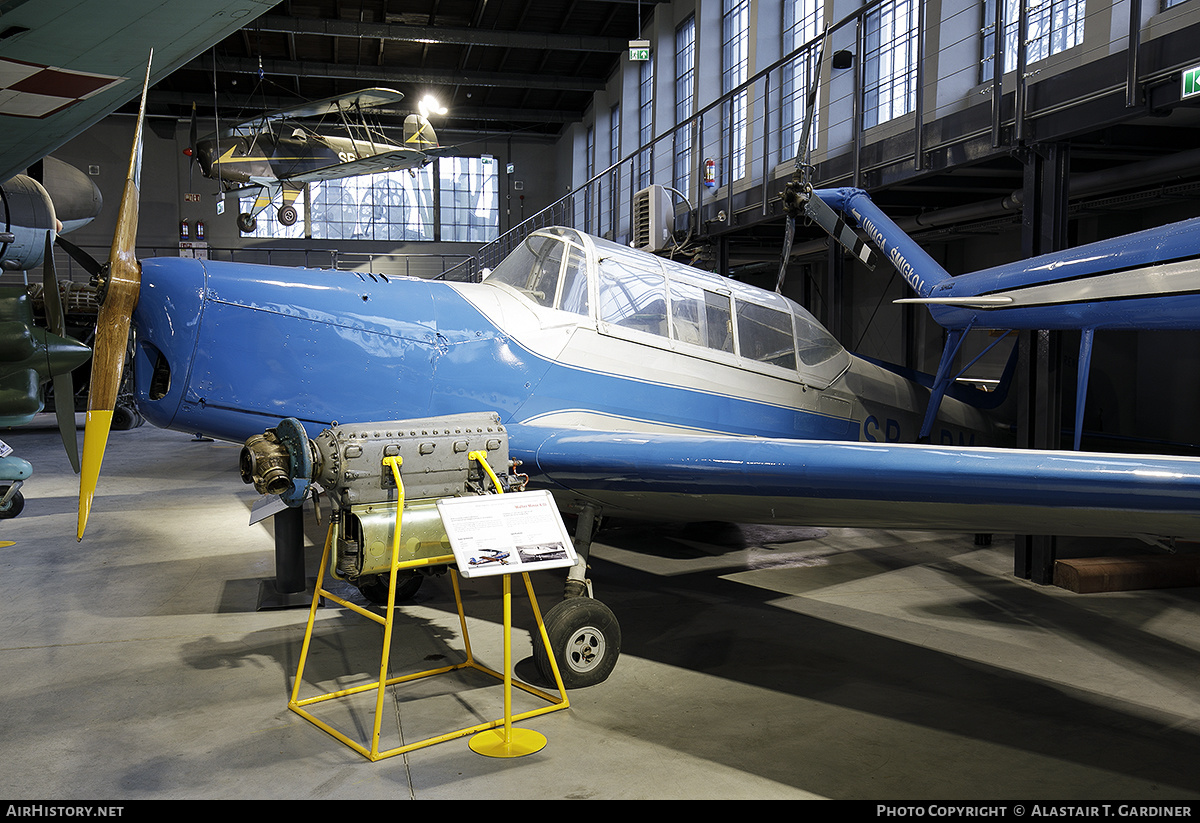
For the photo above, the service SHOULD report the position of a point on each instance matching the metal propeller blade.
(90, 264)
(119, 296)
(789, 235)
(64, 387)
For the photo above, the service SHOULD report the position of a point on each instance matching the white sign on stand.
(196, 249)
(506, 533)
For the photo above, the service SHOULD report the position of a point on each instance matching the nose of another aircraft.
(166, 323)
(206, 155)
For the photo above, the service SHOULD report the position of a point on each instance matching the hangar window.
(385, 206)
(396, 205)
(735, 62)
(646, 121)
(1051, 27)
(685, 78)
(801, 23)
(470, 200)
(889, 61)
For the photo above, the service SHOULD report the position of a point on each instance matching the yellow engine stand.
(495, 738)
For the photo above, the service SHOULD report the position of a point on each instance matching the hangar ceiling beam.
(541, 41)
(373, 74)
(244, 103)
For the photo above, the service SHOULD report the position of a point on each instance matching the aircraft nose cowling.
(166, 325)
(206, 154)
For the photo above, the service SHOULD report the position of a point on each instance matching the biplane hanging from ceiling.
(279, 152)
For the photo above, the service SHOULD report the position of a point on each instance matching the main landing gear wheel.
(288, 215)
(376, 590)
(586, 641)
(246, 223)
(14, 506)
(126, 417)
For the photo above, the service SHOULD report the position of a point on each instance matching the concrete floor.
(757, 663)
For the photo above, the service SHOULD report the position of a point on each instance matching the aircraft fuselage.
(248, 345)
(267, 158)
(626, 382)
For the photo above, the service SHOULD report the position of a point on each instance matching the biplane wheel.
(375, 588)
(586, 640)
(288, 215)
(246, 223)
(13, 507)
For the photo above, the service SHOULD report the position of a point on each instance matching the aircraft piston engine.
(26, 214)
(346, 461)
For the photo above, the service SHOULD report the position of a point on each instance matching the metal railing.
(432, 265)
(847, 154)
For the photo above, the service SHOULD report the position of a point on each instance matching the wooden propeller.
(118, 298)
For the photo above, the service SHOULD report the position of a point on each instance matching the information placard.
(506, 533)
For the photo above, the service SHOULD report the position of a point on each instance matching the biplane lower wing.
(393, 160)
(702, 477)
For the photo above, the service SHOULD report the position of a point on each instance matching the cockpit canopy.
(659, 302)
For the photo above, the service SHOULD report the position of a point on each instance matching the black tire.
(13, 507)
(126, 417)
(375, 589)
(288, 215)
(586, 639)
(246, 223)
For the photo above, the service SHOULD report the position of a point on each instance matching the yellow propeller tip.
(95, 438)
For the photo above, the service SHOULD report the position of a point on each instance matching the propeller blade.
(119, 297)
(50, 293)
(64, 387)
(89, 263)
(64, 412)
(789, 236)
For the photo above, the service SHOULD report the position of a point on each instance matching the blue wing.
(871, 485)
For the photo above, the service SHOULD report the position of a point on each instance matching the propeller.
(89, 263)
(64, 388)
(789, 236)
(792, 201)
(119, 286)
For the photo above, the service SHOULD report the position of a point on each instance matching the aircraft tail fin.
(419, 133)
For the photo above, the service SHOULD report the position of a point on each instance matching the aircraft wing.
(354, 101)
(702, 477)
(393, 160)
(69, 63)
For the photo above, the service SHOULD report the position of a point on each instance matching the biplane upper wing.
(350, 103)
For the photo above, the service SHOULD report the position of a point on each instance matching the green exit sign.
(639, 49)
(1191, 82)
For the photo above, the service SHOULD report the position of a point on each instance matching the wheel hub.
(585, 649)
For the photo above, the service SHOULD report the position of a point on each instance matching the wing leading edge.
(391, 160)
(697, 477)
